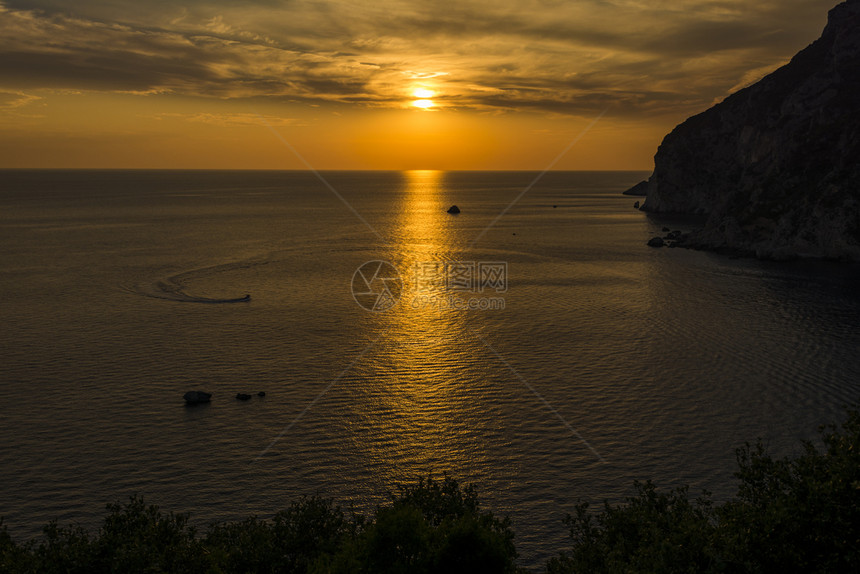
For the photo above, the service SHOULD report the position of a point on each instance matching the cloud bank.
(567, 57)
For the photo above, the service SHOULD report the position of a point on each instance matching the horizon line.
(240, 169)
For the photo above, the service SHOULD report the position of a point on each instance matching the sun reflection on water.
(422, 407)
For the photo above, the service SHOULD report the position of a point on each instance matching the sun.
(423, 94)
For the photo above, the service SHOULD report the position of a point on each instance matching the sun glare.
(423, 96)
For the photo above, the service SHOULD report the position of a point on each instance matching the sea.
(532, 345)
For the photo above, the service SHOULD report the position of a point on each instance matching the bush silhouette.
(431, 527)
(794, 514)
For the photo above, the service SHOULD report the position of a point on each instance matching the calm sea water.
(609, 362)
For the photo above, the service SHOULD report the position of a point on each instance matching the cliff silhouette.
(776, 165)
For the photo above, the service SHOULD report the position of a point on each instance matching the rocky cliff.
(775, 166)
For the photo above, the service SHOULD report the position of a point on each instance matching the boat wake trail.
(173, 288)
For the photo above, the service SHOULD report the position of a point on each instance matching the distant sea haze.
(602, 360)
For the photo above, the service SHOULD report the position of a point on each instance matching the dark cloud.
(121, 71)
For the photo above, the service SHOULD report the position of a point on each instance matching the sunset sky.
(503, 84)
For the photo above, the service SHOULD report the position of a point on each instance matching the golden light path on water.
(421, 411)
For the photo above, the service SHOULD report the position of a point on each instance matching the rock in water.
(655, 242)
(196, 397)
(243, 397)
(640, 188)
(454, 209)
(775, 165)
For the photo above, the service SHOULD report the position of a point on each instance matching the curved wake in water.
(172, 288)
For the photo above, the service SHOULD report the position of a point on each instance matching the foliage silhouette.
(793, 514)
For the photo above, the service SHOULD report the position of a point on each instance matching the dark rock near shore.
(636, 205)
(640, 189)
(655, 242)
(454, 209)
(774, 167)
(196, 397)
(243, 397)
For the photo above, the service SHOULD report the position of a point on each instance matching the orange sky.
(197, 84)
